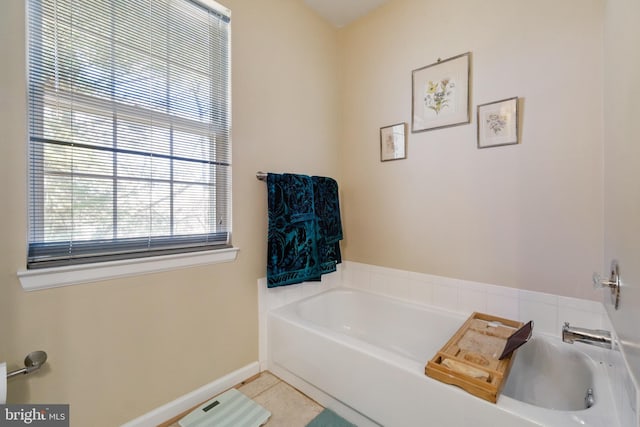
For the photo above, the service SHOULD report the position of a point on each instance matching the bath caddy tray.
(470, 358)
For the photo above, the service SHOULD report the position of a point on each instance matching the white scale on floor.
(230, 409)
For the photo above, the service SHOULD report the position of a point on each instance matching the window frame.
(55, 277)
(220, 193)
(87, 270)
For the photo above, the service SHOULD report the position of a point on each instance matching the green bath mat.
(328, 418)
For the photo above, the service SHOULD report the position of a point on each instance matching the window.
(129, 129)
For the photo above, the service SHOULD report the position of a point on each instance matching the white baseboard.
(189, 400)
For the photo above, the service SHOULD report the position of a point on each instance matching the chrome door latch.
(613, 283)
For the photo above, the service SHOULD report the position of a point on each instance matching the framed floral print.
(498, 123)
(393, 142)
(441, 94)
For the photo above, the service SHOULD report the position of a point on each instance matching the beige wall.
(622, 166)
(527, 216)
(121, 348)
(311, 99)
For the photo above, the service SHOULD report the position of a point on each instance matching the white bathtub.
(366, 354)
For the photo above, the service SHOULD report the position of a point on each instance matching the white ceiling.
(342, 12)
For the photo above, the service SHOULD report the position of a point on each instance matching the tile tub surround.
(546, 310)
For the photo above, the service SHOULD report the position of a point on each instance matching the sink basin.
(551, 375)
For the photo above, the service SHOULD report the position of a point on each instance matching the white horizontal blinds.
(129, 119)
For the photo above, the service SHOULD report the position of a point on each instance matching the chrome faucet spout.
(597, 337)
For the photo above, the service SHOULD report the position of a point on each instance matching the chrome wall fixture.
(613, 283)
(597, 337)
(32, 362)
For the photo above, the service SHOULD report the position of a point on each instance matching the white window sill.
(33, 280)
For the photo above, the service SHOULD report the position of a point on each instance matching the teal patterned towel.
(329, 226)
(304, 228)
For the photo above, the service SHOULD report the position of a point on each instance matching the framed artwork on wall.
(440, 95)
(393, 142)
(498, 123)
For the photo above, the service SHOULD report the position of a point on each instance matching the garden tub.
(366, 353)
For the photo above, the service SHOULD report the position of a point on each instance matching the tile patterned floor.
(288, 406)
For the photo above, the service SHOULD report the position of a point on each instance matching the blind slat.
(129, 129)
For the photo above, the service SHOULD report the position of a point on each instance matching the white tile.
(606, 323)
(502, 305)
(429, 278)
(539, 297)
(580, 318)
(502, 291)
(379, 283)
(421, 277)
(420, 292)
(388, 271)
(445, 296)
(580, 304)
(544, 316)
(445, 281)
(471, 286)
(358, 275)
(400, 288)
(472, 300)
(389, 281)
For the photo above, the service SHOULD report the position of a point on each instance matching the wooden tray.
(470, 358)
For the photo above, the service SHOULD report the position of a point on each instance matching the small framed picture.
(393, 142)
(498, 123)
(440, 94)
